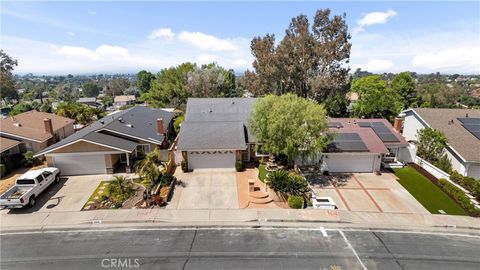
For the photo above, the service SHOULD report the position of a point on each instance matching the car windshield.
(25, 182)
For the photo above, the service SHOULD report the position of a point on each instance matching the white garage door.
(350, 163)
(211, 160)
(80, 164)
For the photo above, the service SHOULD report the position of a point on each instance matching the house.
(9, 147)
(113, 142)
(120, 101)
(35, 130)
(361, 145)
(460, 126)
(215, 132)
(89, 101)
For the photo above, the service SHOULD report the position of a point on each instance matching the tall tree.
(7, 64)
(431, 144)
(117, 86)
(289, 125)
(169, 88)
(211, 81)
(144, 80)
(90, 89)
(404, 85)
(376, 99)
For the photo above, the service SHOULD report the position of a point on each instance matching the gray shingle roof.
(217, 115)
(138, 123)
(212, 136)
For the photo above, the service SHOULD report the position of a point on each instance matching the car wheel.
(32, 201)
(57, 178)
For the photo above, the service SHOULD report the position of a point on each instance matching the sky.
(65, 37)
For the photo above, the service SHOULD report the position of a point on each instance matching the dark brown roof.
(30, 125)
(7, 143)
(460, 139)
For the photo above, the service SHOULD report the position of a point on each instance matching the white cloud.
(207, 42)
(373, 18)
(375, 65)
(81, 52)
(206, 58)
(70, 34)
(162, 33)
(465, 58)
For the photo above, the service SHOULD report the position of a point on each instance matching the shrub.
(295, 202)
(29, 159)
(287, 183)
(459, 196)
(238, 165)
(184, 165)
(120, 189)
(177, 122)
(166, 179)
(444, 164)
(469, 183)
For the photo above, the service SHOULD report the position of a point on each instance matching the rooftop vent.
(210, 110)
(17, 124)
(102, 122)
(129, 125)
(120, 120)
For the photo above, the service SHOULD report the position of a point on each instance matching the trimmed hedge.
(295, 202)
(468, 183)
(238, 166)
(184, 165)
(459, 196)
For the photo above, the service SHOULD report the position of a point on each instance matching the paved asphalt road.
(237, 248)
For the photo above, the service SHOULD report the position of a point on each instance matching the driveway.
(205, 189)
(68, 195)
(365, 192)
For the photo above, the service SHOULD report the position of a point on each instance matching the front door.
(123, 158)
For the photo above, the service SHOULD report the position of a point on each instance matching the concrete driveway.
(69, 195)
(205, 189)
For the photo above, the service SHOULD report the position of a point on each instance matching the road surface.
(238, 248)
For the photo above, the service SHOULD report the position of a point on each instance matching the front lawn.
(429, 195)
(262, 173)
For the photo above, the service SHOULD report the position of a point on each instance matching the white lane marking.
(353, 250)
(409, 232)
(324, 232)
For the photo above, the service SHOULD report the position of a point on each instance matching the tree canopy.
(309, 61)
(144, 80)
(404, 85)
(289, 125)
(376, 99)
(7, 64)
(431, 144)
(90, 89)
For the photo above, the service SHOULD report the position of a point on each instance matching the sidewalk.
(232, 217)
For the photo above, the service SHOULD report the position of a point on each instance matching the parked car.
(28, 187)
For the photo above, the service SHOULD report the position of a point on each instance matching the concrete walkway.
(232, 217)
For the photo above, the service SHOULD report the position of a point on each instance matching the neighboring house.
(460, 126)
(112, 142)
(120, 101)
(9, 147)
(35, 130)
(89, 101)
(360, 145)
(215, 132)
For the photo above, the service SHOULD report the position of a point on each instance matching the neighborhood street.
(234, 248)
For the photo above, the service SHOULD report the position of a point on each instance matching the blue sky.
(89, 37)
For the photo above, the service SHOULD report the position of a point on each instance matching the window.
(142, 149)
(25, 182)
(28, 146)
(46, 174)
(39, 178)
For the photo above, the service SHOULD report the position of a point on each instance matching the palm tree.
(149, 167)
(120, 189)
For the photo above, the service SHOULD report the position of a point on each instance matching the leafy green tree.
(376, 100)
(106, 101)
(79, 112)
(170, 87)
(150, 167)
(24, 107)
(444, 164)
(176, 124)
(7, 64)
(144, 80)
(404, 85)
(90, 89)
(436, 92)
(336, 106)
(210, 81)
(431, 144)
(117, 86)
(289, 125)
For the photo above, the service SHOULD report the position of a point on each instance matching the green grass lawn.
(429, 195)
(262, 173)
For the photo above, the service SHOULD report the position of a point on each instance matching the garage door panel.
(80, 164)
(210, 160)
(350, 163)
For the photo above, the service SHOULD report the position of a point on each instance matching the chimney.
(48, 125)
(397, 124)
(160, 126)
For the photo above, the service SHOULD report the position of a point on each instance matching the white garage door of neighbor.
(350, 163)
(80, 164)
(211, 160)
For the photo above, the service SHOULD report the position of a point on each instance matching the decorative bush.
(459, 196)
(120, 189)
(184, 165)
(295, 202)
(444, 164)
(29, 159)
(287, 183)
(238, 165)
(166, 179)
(468, 183)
